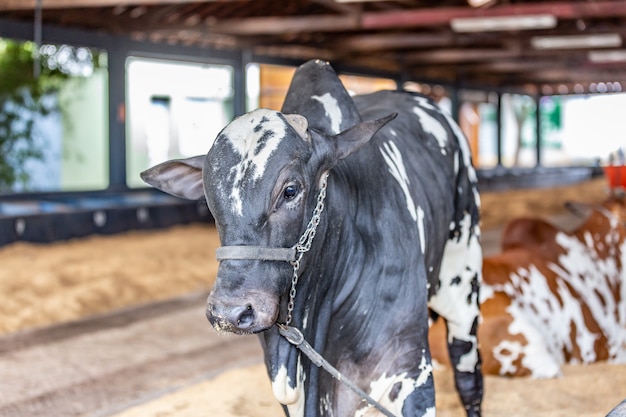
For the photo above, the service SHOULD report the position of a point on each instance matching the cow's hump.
(316, 92)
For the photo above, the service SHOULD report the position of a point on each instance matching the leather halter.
(262, 253)
(268, 253)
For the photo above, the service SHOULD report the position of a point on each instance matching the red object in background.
(616, 176)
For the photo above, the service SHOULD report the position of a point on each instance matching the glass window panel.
(174, 110)
(583, 129)
(519, 147)
(487, 136)
(54, 127)
(478, 120)
(253, 87)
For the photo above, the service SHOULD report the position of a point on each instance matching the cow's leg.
(466, 364)
(457, 301)
(461, 324)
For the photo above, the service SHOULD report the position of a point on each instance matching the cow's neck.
(334, 251)
(338, 280)
(341, 277)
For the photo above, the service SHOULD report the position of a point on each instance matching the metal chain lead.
(304, 244)
(292, 334)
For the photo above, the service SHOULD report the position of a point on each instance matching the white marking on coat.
(466, 153)
(537, 357)
(383, 386)
(393, 159)
(462, 261)
(332, 110)
(325, 406)
(593, 279)
(430, 124)
(506, 353)
(546, 316)
(293, 398)
(254, 137)
(426, 369)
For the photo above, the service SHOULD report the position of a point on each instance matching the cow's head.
(613, 207)
(261, 180)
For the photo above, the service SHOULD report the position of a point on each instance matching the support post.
(117, 118)
(499, 130)
(539, 139)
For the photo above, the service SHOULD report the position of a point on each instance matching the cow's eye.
(290, 191)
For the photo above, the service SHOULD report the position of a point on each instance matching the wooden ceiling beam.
(443, 15)
(414, 18)
(282, 25)
(6, 5)
(459, 55)
(393, 41)
(339, 7)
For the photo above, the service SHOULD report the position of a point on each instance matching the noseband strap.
(263, 253)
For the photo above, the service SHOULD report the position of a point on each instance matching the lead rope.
(295, 336)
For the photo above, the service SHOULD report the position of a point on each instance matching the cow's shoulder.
(498, 268)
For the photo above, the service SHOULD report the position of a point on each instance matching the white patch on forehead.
(430, 124)
(332, 110)
(393, 159)
(254, 137)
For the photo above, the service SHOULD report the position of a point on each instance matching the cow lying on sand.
(394, 211)
(553, 297)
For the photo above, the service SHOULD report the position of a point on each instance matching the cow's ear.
(179, 177)
(353, 138)
(582, 210)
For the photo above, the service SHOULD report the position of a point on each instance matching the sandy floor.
(45, 284)
(589, 391)
(51, 283)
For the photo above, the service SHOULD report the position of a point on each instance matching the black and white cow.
(399, 232)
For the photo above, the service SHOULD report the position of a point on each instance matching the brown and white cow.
(553, 297)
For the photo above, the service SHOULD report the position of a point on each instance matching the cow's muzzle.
(256, 313)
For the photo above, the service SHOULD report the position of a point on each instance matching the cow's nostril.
(246, 317)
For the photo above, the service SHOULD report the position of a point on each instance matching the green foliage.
(24, 98)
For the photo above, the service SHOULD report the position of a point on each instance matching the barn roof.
(579, 46)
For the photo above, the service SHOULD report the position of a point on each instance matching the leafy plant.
(24, 98)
